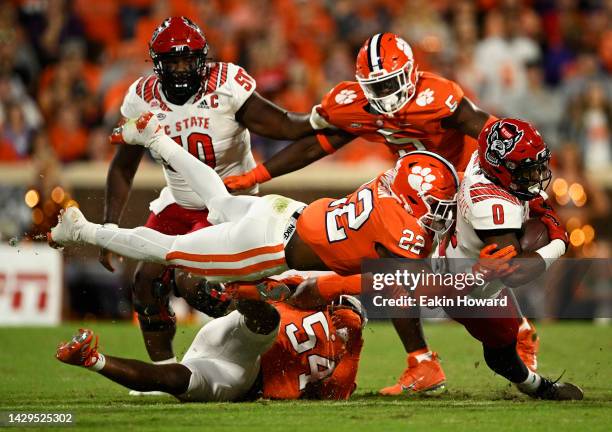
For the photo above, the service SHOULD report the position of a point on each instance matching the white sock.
(140, 243)
(531, 384)
(524, 325)
(99, 364)
(425, 356)
(167, 361)
(88, 232)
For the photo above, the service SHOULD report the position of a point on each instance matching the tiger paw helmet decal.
(420, 179)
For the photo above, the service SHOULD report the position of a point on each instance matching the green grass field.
(32, 380)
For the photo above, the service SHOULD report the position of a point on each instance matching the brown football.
(535, 235)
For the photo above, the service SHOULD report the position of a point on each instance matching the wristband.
(325, 144)
(552, 251)
(316, 120)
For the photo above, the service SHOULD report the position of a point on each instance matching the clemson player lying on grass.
(260, 349)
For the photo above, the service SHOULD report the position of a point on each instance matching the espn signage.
(30, 285)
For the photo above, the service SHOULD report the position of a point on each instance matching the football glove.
(541, 209)
(257, 175)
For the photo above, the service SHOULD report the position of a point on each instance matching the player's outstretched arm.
(468, 119)
(264, 118)
(119, 179)
(295, 156)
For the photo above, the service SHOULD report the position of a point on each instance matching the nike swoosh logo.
(413, 385)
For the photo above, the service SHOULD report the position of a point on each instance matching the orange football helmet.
(427, 185)
(386, 72)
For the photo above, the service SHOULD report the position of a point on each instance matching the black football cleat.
(557, 390)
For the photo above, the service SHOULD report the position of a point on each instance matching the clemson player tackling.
(502, 187)
(394, 104)
(256, 237)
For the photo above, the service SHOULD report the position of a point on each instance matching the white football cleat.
(140, 131)
(68, 229)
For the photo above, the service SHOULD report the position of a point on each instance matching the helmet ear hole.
(412, 200)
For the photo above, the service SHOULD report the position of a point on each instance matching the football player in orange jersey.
(260, 349)
(405, 109)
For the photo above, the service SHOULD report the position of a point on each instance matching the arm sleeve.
(333, 285)
(241, 85)
(133, 105)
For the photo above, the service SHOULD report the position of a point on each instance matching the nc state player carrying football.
(258, 349)
(396, 105)
(206, 107)
(503, 186)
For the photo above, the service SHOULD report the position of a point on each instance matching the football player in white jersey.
(208, 108)
(503, 186)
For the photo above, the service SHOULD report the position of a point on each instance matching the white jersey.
(482, 205)
(205, 126)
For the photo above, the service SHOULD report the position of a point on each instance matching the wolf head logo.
(501, 140)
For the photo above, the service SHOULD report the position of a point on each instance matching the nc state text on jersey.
(187, 123)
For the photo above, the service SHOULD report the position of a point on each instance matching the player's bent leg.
(134, 374)
(151, 298)
(498, 337)
(224, 358)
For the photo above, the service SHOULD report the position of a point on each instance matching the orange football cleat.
(82, 350)
(420, 376)
(528, 344)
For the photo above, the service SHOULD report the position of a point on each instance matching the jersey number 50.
(199, 145)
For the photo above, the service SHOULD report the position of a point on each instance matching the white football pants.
(245, 243)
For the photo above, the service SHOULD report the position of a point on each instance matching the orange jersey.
(417, 126)
(306, 350)
(343, 232)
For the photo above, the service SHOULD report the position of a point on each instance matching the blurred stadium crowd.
(66, 64)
